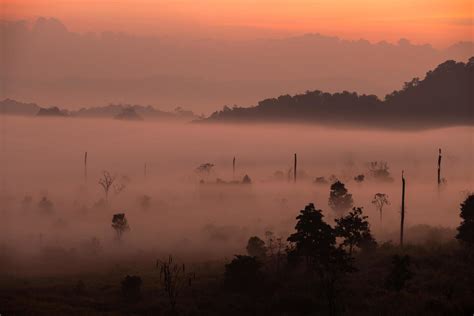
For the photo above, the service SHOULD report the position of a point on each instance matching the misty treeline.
(442, 98)
(117, 111)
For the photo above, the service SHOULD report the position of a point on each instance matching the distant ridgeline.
(443, 98)
(117, 111)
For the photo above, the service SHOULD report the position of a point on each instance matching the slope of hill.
(444, 97)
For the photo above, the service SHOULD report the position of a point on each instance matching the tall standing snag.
(439, 167)
(402, 221)
(85, 167)
(233, 169)
(294, 169)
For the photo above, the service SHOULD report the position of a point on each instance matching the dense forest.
(443, 98)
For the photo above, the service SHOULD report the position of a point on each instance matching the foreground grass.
(443, 284)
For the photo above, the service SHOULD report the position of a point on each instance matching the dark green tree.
(355, 230)
(466, 229)
(340, 200)
(315, 241)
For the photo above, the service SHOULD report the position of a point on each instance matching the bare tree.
(380, 200)
(173, 278)
(106, 182)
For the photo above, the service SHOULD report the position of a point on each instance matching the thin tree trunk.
(439, 167)
(233, 169)
(85, 167)
(402, 222)
(294, 169)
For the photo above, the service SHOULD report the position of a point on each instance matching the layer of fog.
(45, 158)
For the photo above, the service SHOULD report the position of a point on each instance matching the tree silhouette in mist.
(120, 224)
(355, 230)
(380, 200)
(106, 183)
(466, 229)
(315, 241)
(340, 200)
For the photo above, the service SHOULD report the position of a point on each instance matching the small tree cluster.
(355, 231)
(380, 171)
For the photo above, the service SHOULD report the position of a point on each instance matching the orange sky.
(440, 22)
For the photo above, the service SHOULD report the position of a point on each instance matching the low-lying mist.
(52, 213)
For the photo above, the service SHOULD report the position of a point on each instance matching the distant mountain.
(12, 107)
(46, 62)
(444, 97)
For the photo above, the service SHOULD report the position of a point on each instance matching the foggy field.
(45, 158)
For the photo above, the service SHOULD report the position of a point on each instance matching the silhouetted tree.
(256, 247)
(246, 180)
(243, 273)
(315, 240)
(466, 229)
(400, 273)
(380, 200)
(120, 224)
(359, 178)
(106, 183)
(339, 198)
(173, 279)
(355, 231)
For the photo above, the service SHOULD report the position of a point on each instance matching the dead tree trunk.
(439, 167)
(85, 167)
(402, 221)
(294, 169)
(233, 169)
